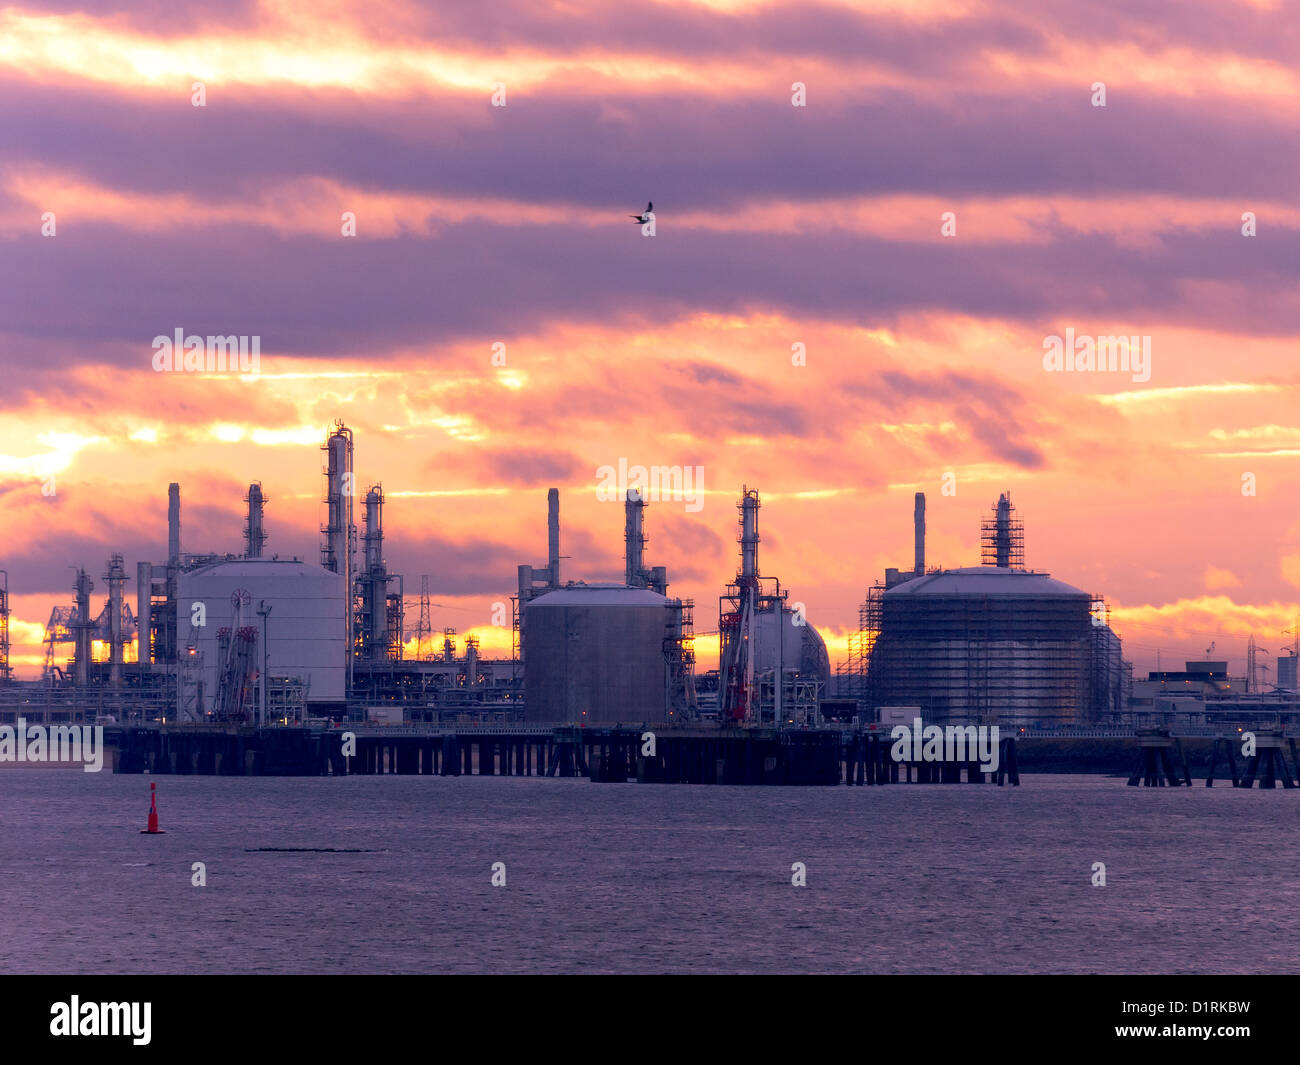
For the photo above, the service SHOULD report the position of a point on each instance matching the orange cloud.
(1217, 579)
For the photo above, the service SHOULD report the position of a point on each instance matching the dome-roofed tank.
(987, 580)
(304, 628)
(595, 653)
(986, 643)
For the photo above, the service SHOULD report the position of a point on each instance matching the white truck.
(384, 715)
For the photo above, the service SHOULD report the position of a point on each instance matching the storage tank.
(305, 627)
(988, 644)
(802, 649)
(1286, 673)
(595, 653)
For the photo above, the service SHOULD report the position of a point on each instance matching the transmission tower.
(424, 630)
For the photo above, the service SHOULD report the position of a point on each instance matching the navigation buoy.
(153, 829)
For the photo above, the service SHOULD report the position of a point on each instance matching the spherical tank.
(802, 647)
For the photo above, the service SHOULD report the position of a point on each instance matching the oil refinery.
(251, 639)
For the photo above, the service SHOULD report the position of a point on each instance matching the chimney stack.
(553, 536)
(919, 521)
(143, 605)
(173, 523)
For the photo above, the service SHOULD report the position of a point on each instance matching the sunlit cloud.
(60, 451)
(1173, 395)
(1217, 579)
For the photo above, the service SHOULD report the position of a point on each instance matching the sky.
(869, 220)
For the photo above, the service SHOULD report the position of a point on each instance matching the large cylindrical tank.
(305, 627)
(595, 653)
(987, 644)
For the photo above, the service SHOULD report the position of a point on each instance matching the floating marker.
(153, 829)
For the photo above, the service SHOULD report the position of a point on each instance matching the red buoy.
(153, 829)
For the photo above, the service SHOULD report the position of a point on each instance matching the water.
(636, 878)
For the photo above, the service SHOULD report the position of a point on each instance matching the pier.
(798, 757)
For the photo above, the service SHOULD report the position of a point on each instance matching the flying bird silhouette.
(644, 217)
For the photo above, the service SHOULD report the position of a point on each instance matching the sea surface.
(642, 878)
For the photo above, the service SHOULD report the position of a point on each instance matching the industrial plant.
(255, 639)
(247, 639)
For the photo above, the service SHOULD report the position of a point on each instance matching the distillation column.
(116, 578)
(338, 531)
(634, 538)
(374, 580)
(254, 529)
(83, 624)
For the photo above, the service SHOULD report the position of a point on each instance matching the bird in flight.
(644, 217)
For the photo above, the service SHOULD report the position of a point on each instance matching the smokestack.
(918, 520)
(553, 536)
(634, 539)
(173, 523)
(254, 531)
(143, 603)
(749, 533)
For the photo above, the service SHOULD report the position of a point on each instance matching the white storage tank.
(305, 629)
(801, 647)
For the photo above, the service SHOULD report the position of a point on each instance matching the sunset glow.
(777, 226)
